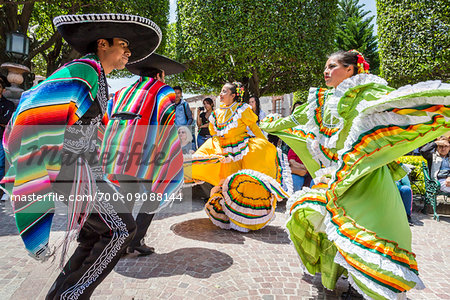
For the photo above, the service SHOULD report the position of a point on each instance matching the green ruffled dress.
(355, 223)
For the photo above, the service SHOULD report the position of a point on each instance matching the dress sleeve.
(250, 118)
(212, 131)
(298, 117)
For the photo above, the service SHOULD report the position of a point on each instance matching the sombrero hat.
(156, 61)
(79, 31)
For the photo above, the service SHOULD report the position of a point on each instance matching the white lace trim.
(332, 103)
(233, 123)
(313, 145)
(287, 183)
(385, 102)
(385, 292)
(228, 151)
(371, 117)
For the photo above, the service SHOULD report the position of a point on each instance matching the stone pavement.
(196, 260)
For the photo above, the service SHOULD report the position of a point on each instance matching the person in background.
(185, 136)
(6, 110)
(256, 107)
(437, 155)
(404, 187)
(142, 115)
(203, 114)
(300, 175)
(183, 114)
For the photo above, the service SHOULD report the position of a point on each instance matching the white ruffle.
(229, 151)
(358, 80)
(213, 220)
(320, 139)
(326, 171)
(366, 120)
(385, 102)
(266, 217)
(298, 194)
(233, 122)
(241, 229)
(385, 292)
(286, 174)
(332, 103)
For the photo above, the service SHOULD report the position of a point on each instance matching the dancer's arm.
(298, 117)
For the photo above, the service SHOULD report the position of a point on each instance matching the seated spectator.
(404, 187)
(185, 136)
(300, 175)
(437, 155)
(203, 114)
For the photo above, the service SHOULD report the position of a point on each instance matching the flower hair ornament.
(363, 65)
(239, 91)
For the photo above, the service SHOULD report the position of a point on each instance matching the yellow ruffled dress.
(252, 175)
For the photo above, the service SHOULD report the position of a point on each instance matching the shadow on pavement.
(7, 221)
(270, 234)
(323, 293)
(195, 262)
(205, 231)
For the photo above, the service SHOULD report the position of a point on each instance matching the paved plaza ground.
(196, 260)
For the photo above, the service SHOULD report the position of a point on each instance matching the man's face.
(115, 56)
(178, 95)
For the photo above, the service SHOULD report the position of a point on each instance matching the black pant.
(129, 186)
(104, 237)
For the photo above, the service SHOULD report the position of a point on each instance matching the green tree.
(414, 40)
(48, 51)
(272, 46)
(354, 31)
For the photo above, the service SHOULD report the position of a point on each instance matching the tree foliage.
(414, 40)
(273, 46)
(354, 31)
(48, 51)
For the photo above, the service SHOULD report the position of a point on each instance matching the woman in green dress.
(352, 222)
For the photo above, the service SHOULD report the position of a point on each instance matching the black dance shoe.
(142, 249)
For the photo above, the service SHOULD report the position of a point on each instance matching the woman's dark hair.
(347, 59)
(258, 105)
(234, 86)
(294, 106)
(210, 101)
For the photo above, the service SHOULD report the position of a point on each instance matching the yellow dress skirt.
(249, 173)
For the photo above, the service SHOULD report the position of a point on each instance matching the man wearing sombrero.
(141, 147)
(52, 148)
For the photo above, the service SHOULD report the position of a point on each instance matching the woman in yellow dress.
(248, 173)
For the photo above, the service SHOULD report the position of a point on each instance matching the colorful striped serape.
(33, 142)
(146, 147)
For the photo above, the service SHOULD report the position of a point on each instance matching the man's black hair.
(152, 72)
(93, 46)
(177, 87)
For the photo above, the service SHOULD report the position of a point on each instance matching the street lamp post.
(17, 49)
